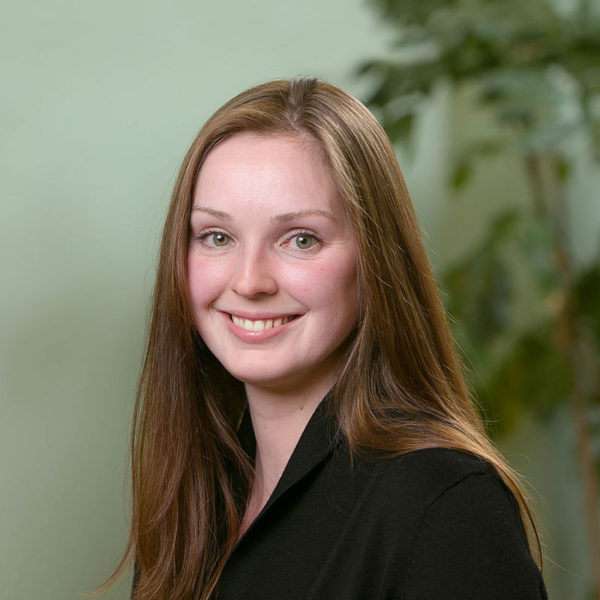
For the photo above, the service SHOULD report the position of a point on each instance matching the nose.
(254, 275)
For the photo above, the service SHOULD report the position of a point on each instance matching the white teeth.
(254, 325)
(259, 324)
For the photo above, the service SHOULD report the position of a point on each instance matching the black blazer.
(433, 524)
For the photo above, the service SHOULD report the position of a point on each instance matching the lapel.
(316, 442)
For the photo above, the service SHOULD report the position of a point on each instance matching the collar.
(316, 442)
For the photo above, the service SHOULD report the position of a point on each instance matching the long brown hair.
(400, 389)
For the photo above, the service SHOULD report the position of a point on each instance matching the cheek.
(205, 280)
(332, 285)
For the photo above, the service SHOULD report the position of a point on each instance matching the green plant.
(534, 67)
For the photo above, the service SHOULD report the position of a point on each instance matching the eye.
(214, 239)
(304, 241)
(219, 239)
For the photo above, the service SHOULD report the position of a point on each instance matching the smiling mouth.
(260, 324)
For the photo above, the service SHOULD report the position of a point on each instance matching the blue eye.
(305, 241)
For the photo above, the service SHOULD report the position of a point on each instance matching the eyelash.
(306, 233)
(206, 234)
(290, 236)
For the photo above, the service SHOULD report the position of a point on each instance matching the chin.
(297, 381)
(267, 381)
(267, 377)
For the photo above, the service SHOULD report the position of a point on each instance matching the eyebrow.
(303, 213)
(213, 212)
(279, 218)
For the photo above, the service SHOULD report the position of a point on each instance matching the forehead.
(258, 167)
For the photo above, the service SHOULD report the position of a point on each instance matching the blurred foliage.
(535, 70)
(539, 68)
(519, 366)
(588, 294)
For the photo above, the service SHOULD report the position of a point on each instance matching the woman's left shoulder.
(444, 480)
(467, 527)
(428, 474)
(449, 461)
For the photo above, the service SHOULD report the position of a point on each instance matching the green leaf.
(461, 175)
(480, 287)
(532, 379)
(535, 70)
(464, 165)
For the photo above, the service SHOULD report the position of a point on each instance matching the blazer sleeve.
(471, 545)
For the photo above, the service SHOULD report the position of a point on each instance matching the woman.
(302, 427)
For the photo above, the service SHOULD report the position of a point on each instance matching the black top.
(430, 525)
(433, 524)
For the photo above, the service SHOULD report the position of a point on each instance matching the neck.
(278, 420)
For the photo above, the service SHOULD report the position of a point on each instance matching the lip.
(255, 337)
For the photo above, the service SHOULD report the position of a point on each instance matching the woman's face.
(272, 262)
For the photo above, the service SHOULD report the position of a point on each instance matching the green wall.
(99, 103)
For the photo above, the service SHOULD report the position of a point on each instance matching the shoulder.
(404, 493)
(456, 484)
(445, 465)
(465, 527)
(460, 489)
(422, 477)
